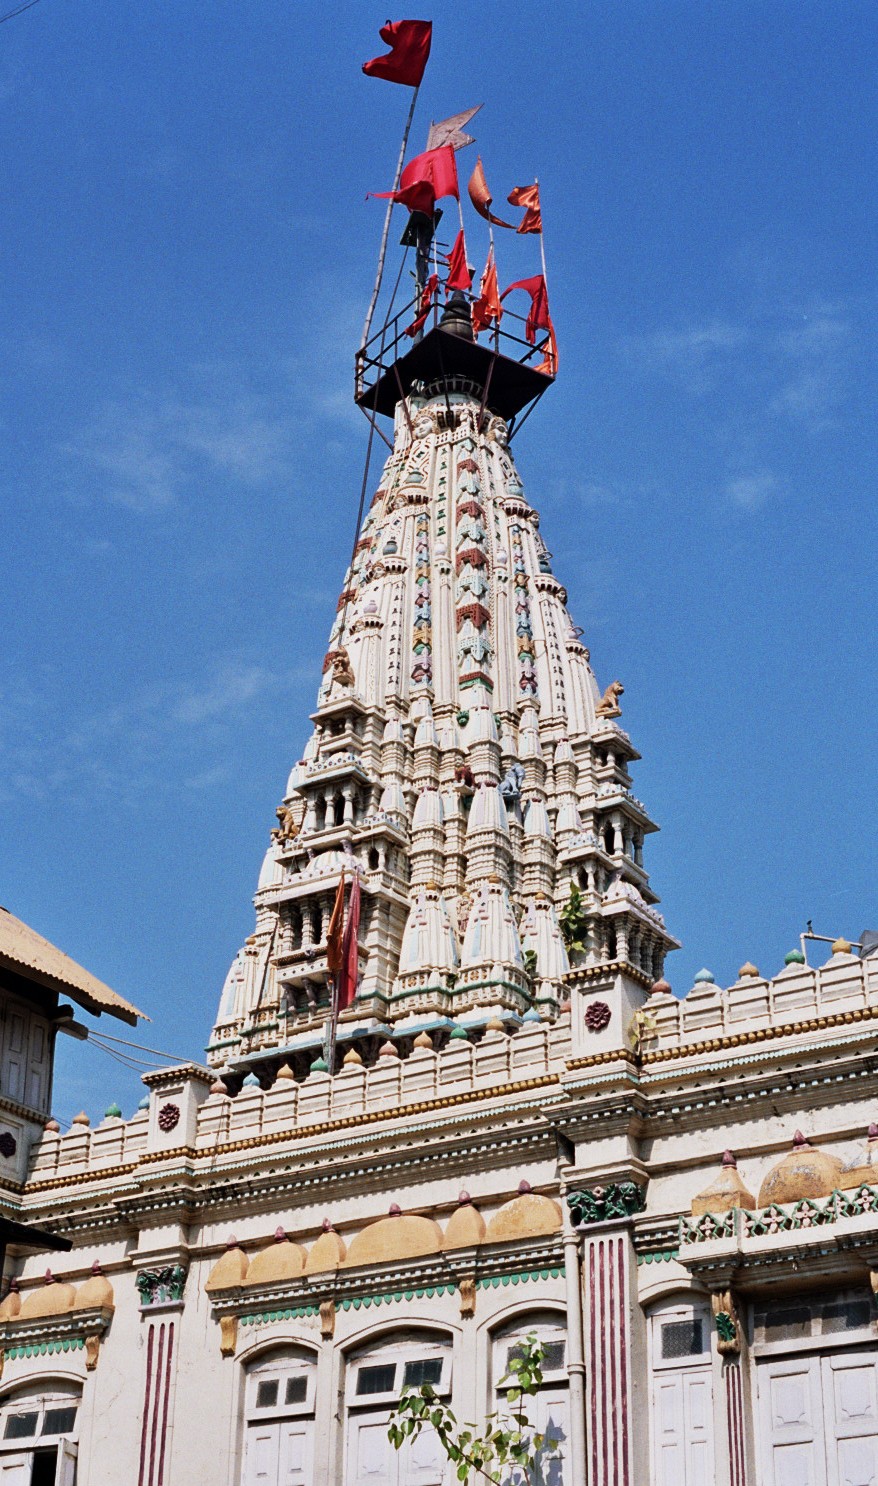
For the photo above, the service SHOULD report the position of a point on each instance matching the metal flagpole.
(542, 241)
(382, 252)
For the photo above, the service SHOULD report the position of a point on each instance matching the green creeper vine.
(574, 924)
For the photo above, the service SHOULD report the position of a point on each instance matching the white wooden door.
(296, 1446)
(65, 1471)
(850, 1394)
(791, 1423)
(15, 1470)
(371, 1459)
(261, 1455)
(552, 1414)
(422, 1461)
(682, 1416)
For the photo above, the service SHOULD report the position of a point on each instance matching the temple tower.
(463, 759)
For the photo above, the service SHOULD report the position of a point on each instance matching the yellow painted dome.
(12, 1304)
(465, 1227)
(53, 1298)
(281, 1260)
(802, 1172)
(398, 1236)
(862, 1171)
(328, 1252)
(96, 1291)
(725, 1191)
(526, 1216)
(230, 1269)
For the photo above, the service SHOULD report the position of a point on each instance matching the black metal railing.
(377, 356)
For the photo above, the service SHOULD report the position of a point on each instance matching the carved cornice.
(433, 1272)
(760, 1034)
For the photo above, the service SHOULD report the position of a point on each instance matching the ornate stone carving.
(608, 706)
(92, 1352)
(288, 826)
(597, 1016)
(163, 1286)
(169, 1117)
(228, 1335)
(599, 1204)
(728, 1337)
(327, 1318)
(468, 1296)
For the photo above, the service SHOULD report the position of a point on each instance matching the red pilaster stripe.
(592, 1359)
(156, 1404)
(144, 1428)
(167, 1387)
(623, 1359)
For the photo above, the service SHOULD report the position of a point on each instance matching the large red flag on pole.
(425, 179)
(409, 43)
(334, 936)
(346, 985)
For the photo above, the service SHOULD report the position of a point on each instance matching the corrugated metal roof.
(26, 952)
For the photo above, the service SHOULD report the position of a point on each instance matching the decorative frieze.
(600, 1204)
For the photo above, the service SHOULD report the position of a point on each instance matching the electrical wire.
(139, 1046)
(11, 14)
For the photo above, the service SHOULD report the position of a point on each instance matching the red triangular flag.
(529, 198)
(409, 43)
(487, 307)
(459, 273)
(538, 318)
(427, 293)
(480, 196)
(549, 363)
(350, 965)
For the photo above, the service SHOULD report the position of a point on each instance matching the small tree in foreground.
(510, 1452)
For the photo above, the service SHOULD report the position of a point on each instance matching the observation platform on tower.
(503, 368)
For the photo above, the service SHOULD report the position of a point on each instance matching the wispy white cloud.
(146, 452)
(179, 728)
(752, 491)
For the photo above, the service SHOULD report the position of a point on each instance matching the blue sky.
(186, 259)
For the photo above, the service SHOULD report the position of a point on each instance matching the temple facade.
(516, 1129)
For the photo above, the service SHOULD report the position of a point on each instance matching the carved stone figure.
(464, 781)
(288, 826)
(608, 706)
(510, 784)
(342, 671)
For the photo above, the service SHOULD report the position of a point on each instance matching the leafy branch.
(508, 1443)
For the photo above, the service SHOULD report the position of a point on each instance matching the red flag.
(334, 936)
(459, 273)
(538, 318)
(487, 307)
(549, 363)
(529, 198)
(346, 986)
(425, 179)
(409, 43)
(481, 197)
(427, 293)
